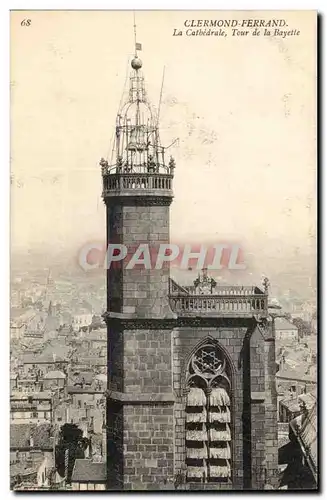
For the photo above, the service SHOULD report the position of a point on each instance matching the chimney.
(282, 362)
(304, 411)
(31, 441)
(92, 424)
(87, 452)
(104, 443)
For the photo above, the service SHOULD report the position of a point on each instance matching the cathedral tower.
(191, 400)
(137, 191)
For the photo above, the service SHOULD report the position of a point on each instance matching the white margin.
(5, 6)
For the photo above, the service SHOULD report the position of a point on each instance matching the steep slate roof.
(16, 312)
(93, 361)
(54, 375)
(292, 374)
(21, 313)
(86, 471)
(99, 335)
(20, 436)
(87, 376)
(35, 360)
(21, 470)
(34, 395)
(283, 434)
(284, 324)
(56, 347)
(76, 389)
(293, 404)
(309, 399)
(306, 433)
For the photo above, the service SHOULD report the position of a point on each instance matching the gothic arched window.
(208, 416)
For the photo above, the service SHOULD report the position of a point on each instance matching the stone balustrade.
(217, 305)
(228, 290)
(138, 183)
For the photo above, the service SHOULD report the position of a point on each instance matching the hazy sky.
(242, 107)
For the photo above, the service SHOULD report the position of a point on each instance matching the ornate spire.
(138, 165)
(137, 146)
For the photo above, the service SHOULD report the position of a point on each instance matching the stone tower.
(191, 400)
(137, 190)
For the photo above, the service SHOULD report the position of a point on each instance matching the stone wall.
(271, 416)
(231, 340)
(139, 361)
(150, 433)
(139, 291)
(257, 415)
(148, 446)
(147, 371)
(141, 382)
(147, 362)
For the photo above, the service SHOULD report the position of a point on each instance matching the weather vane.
(137, 46)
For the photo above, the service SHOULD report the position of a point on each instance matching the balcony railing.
(228, 290)
(219, 305)
(137, 183)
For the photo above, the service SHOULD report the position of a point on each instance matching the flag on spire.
(138, 46)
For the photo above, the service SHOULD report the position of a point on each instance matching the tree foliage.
(71, 439)
(303, 326)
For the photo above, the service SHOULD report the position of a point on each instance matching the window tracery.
(208, 416)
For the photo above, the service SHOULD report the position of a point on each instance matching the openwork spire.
(138, 166)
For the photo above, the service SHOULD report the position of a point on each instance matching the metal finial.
(136, 63)
(266, 284)
(172, 163)
(135, 34)
(136, 146)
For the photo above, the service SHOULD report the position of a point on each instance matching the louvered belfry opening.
(208, 417)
